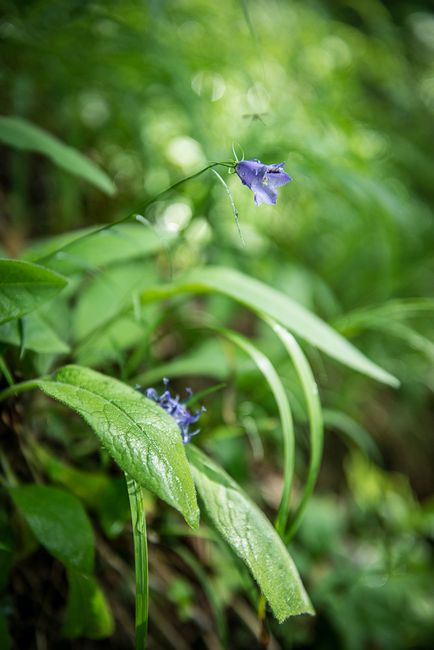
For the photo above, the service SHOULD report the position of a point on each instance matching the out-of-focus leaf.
(21, 134)
(206, 359)
(87, 612)
(251, 536)
(5, 639)
(390, 312)
(262, 298)
(59, 523)
(107, 496)
(25, 286)
(38, 335)
(89, 487)
(107, 294)
(140, 436)
(90, 248)
(111, 343)
(354, 432)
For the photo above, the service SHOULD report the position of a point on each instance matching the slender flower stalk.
(141, 208)
(234, 208)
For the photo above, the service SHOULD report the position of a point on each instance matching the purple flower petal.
(262, 179)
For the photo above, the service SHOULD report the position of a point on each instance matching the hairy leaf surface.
(140, 436)
(251, 536)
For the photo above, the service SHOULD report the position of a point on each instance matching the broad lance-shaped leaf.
(140, 436)
(25, 286)
(59, 522)
(251, 536)
(264, 299)
(21, 134)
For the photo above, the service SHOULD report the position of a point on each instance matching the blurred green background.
(342, 91)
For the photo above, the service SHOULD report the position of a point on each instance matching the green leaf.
(39, 336)
(25, 286)
(140, 436)
(261, 298)
(21, 134)
(267, 369)
(314, 411)
(59, 522)
(5, 639)
(105, 296)
(87, 612)
(90, 248)
(251, 536)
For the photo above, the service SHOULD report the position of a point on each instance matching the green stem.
(21, 388)
(264, 634)
(136, 212)
(138, 518)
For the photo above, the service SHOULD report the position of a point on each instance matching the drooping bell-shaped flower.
(262, 179)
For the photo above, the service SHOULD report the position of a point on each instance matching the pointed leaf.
(25, 286)
(251, 536)
(261, 298)
(21, 134)
(140, 436)
(59, 522)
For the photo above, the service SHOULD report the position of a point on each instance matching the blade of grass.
(138, 518)
(273, 380)
(310, 391)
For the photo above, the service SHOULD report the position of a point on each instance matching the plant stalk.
(138, 519)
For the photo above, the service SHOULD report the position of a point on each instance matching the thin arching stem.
(133, 214)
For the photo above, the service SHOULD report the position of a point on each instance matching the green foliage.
(59, 522)
(262, 298)
(156, 282)
(251, 537)
(24, 287)
(141, 438)
(19, 133)
(87, 613)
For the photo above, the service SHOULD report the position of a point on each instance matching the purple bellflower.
(178, 410)
(262, 179)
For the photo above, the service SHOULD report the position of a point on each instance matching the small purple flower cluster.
(178, 410)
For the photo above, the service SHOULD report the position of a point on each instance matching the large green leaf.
(59, 523)
(21, 134)
(251, 536)
(140, 436)
(25, 286)
(262, 298)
